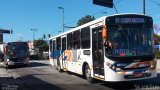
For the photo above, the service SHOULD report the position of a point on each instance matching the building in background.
(157, 47)
(33, 52)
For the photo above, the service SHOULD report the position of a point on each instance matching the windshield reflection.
(18, 46)
(130, 42)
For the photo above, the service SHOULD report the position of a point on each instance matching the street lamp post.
(105, 13)
(34, 33)
(59, 32)
(144, 12)
(63, 18)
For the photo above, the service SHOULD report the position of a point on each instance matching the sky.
(43, 15)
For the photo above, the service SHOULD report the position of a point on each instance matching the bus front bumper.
(21, 62)
(113, 76)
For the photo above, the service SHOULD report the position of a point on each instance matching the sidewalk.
(3, 72)
(158, 65)
(5, 77)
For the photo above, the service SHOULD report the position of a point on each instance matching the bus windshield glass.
(127, 42)
(18, 46)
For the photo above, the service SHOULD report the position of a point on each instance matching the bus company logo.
(67, 55)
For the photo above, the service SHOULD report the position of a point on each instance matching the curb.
(158, 66)
(4, 73)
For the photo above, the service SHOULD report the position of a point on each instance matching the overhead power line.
(155, 12)
(155, 2)
(92, 15)
(153, 9)
(97, 12)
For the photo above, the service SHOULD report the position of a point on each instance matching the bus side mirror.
(104, 32)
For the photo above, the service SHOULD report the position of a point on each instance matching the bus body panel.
(73, 60)
(131, 71)
(112, 76)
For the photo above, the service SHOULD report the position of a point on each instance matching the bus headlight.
(114, 68)
(153, 65)
(117, 69)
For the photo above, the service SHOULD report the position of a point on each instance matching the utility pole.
(4, 31)
(34, 33)
(144, 12)
(62, 17)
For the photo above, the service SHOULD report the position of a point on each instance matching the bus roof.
(79, 27)
(101, 19)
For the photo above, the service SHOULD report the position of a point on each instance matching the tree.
(156, 28)
(41, 44)
(85, 19)
(156, 39)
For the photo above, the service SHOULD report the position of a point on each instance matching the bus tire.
(6, 66)
(88, 74)
(25, 65)
(59, 66)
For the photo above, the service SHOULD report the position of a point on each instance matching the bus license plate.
(138, 74)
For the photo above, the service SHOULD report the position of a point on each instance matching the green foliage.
(157, 39)
(158, 55)
(85, 19)
(156, 28)
(41, 44)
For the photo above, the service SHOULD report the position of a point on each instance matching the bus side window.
(50, 42)
(53, 45)
(64, 43)
(58, 43)
(85, 38)
(76, 39)
(69, 41)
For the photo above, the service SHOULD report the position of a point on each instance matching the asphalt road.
(39, 75)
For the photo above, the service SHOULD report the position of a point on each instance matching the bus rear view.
(16, 53)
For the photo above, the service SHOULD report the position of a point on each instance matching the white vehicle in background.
(1, 52)
(34, 53)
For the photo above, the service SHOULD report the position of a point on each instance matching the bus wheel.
(6, 66)
(88, 74)
(59, 66)
(25, 65)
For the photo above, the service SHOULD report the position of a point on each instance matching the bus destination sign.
(129, 20)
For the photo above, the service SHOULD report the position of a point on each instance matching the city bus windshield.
(127, 42)
(18, 46)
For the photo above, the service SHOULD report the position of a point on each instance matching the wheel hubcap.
(88, 73)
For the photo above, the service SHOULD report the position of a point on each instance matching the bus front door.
(97, 53)
(63, 50)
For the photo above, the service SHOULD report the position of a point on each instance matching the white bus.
(112, 48)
